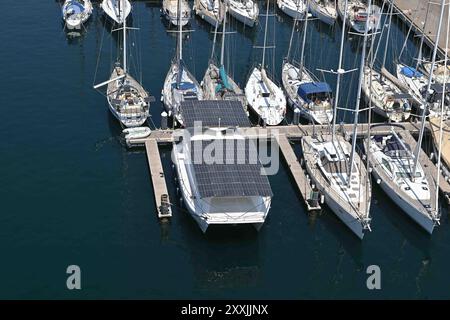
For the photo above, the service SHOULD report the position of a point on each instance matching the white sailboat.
(387, 98)
(296, 9)
(324, 10)
(311, 97)
(209, 10)
(358, 15)
(127, 99)
(179, 84)
(76, 12)
(222, 193)
(217, 84)
(264, 97)
(401, 173)
(391, 160)
(116, 10)
(171, 11)
(245, 11)
(335, 168)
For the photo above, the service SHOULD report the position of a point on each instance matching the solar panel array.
(214, 113)
(228, 169)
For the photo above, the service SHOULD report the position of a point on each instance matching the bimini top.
(306, 89)
(411, 72)
(73, 7)
(213, 113)
(232, 169)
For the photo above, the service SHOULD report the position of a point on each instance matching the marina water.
(72, 194)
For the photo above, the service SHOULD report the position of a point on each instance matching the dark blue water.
(70, 193)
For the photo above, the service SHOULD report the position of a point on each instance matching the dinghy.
(136, 133)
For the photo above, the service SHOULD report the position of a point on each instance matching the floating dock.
(298, 173)
(158, 179)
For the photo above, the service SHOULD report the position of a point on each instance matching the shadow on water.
(410, 230)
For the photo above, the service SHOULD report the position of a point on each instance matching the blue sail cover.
(224, 78)
(306, 89)
(411, 72)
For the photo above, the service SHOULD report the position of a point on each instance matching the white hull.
(296, 9)
(357, 26)
(76, 21)
(171, 97)
(424, 221)
(170, 12)
(211, 15)
(382, 95)
(311, 112)
(133, 109)
(251, 210)
(248, 16)
(111, 8)
(326, 14)
(265, 98)
(350, 206)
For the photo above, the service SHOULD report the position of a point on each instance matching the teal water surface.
(71, 193)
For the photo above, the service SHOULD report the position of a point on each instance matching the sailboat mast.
(388, 35)
(422, 38)
(427, 95)
(358, 97)
(441, 118)
(265, 35)
(225, 3)
(305, 29)
(291, 39)
(121, 11)
(339, 72)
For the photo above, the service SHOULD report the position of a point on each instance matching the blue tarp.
(224, 78)
(185, 86)
(306, 89)
(411, 72)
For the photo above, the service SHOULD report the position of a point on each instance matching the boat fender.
(432, 156)
(322, 198)
(378, 181)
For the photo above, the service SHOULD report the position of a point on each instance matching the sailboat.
(311, 97)
(179, 84)
(116, 10)
(264, 97)
(76, 12)
(296, 9)
(127, 99)
(358, 15)
(245, 11)
(176, 13)
(217, 84)
(440, 75)
(209, 10)
(389, 101)
(400, 172)
(324, 10)
(335, 167)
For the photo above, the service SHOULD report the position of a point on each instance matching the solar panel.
(214, 113)
(228, 169)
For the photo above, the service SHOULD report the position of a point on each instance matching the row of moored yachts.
(333, 164)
